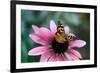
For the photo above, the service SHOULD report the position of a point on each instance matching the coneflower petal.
(67, 29)
(68, 56)
(38, 50)
(53, 27)
(74, 52)
(45, 56)
(77, 43)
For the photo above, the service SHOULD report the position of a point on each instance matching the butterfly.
(60, 35)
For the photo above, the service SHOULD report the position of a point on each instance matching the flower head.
(55, 43)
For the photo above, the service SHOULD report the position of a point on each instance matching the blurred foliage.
(79, 24)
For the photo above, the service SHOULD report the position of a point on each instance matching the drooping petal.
(52, 58)
(46, 56)
(66, 28)
(38, 50)
(77, 43)
(68, 56)
(64, 58)
(74, 57)
(60, 57)
(36, 38)
(74, 52)
(53, 27)
(36, 29)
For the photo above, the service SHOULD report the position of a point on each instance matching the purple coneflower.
(50, 50)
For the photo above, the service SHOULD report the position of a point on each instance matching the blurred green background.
(79, 24)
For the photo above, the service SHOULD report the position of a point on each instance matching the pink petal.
(74, 52)
(52, 58)
(45, 57)
(74, 57)
(38, 50)
(53, 27)
(36, 38)
(64, 58)
(45, 30)
(77, 43)
(35, 28)
(66, 28)
(46, 33)
(60, 57)
(68, 56)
